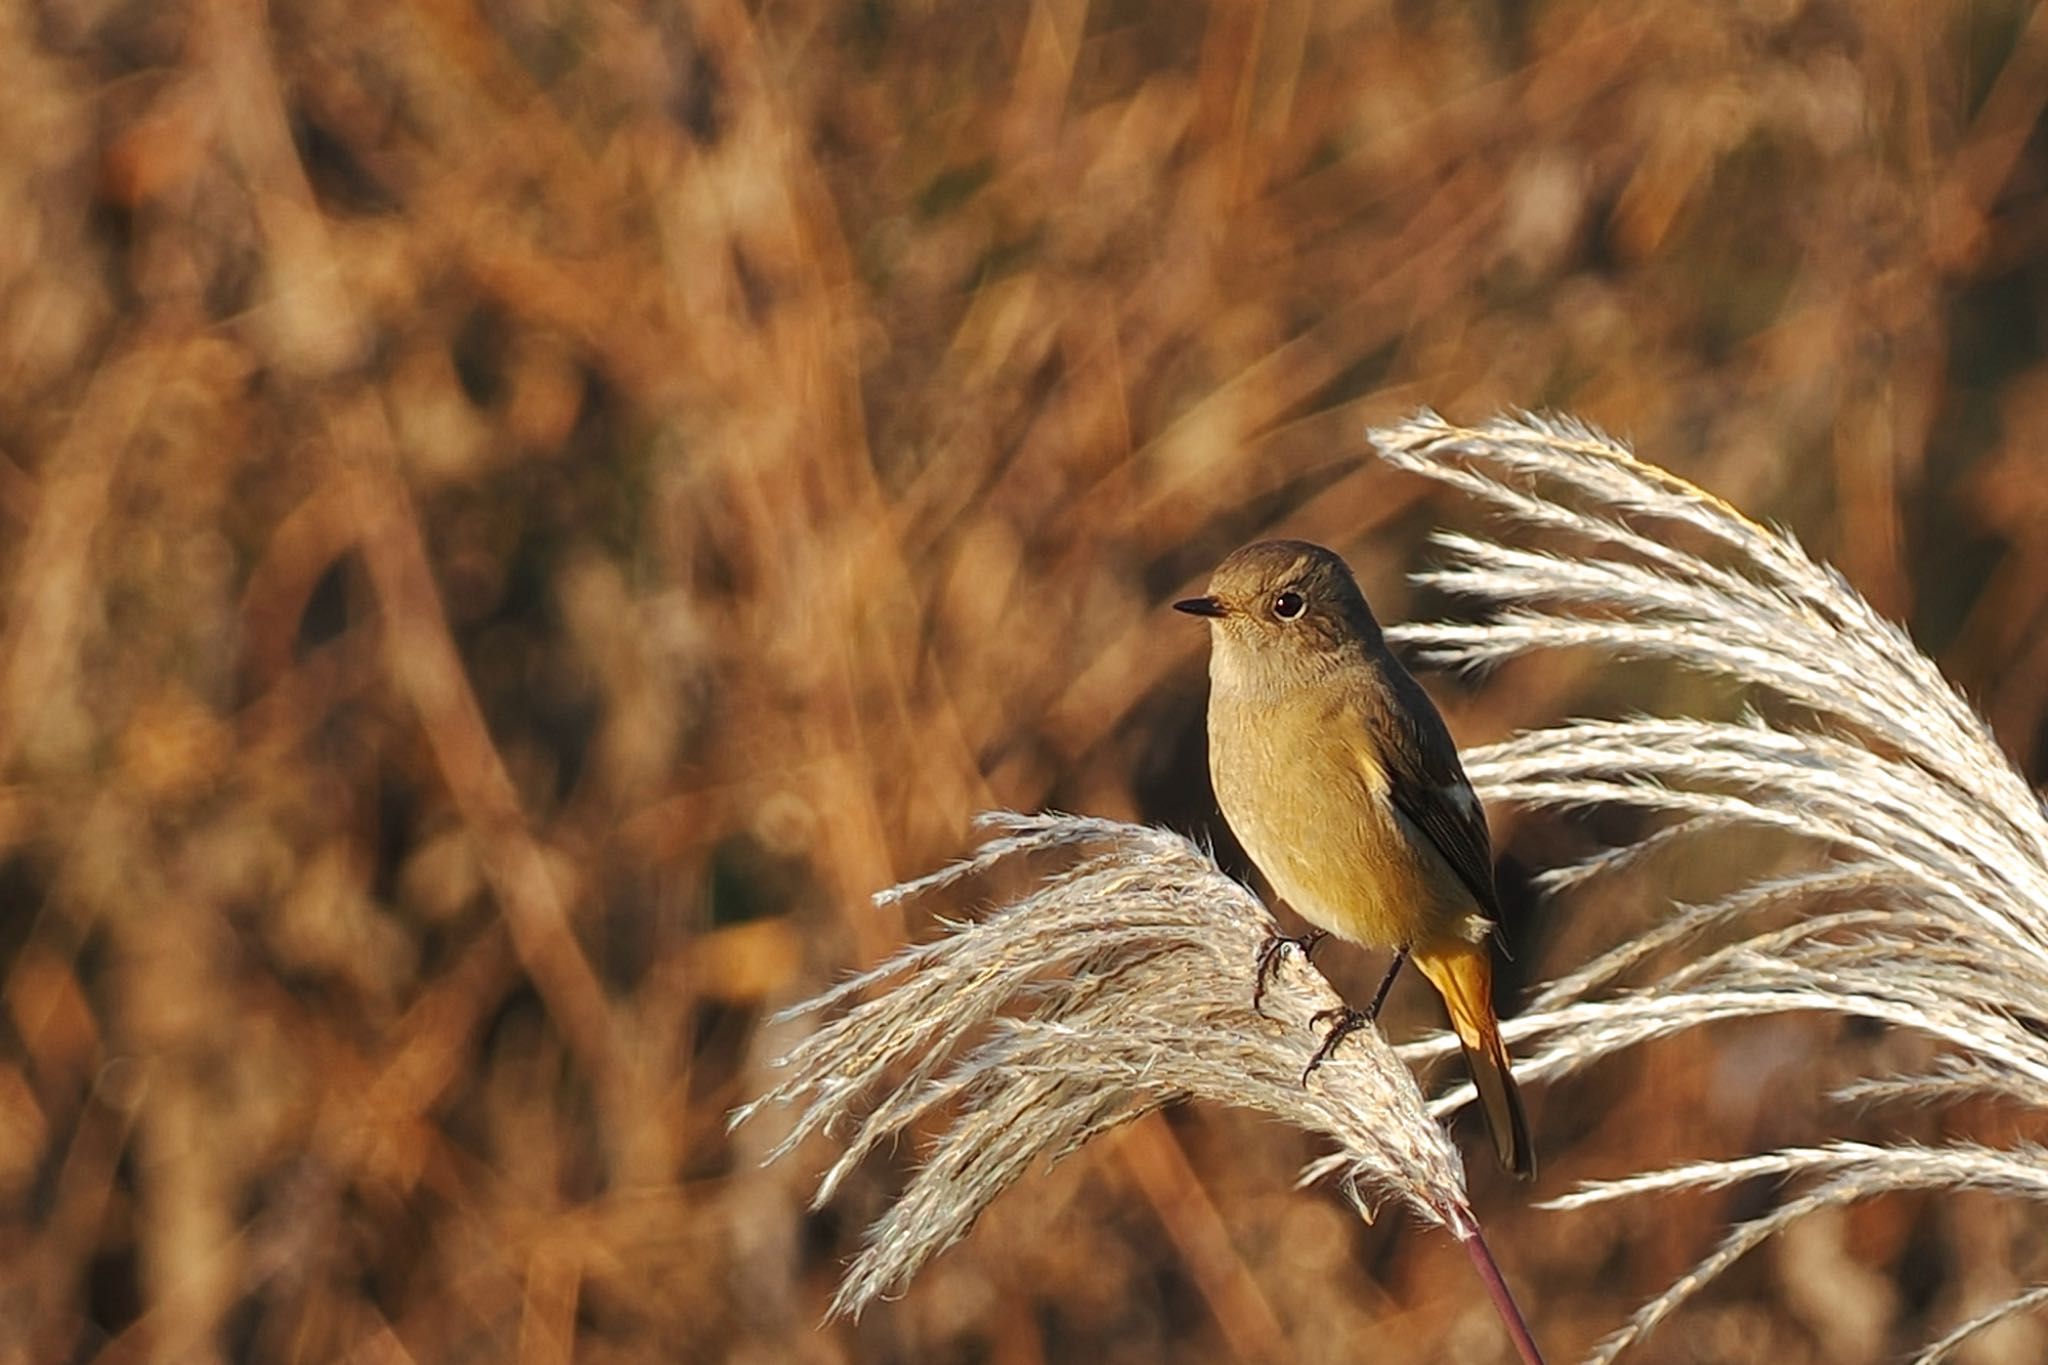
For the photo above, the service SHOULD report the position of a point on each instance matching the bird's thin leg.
(1379, 997)
(1349, 1021)
(1269, 957)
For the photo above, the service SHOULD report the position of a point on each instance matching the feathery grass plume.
(1926, 904)
(1116, 986)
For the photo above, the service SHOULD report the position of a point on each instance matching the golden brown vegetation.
(516, 517)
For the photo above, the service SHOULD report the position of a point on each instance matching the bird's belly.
(1349, 880)
(1330, 843)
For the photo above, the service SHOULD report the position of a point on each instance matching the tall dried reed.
(1924, 902)
(1128, 981)
(1921, 906)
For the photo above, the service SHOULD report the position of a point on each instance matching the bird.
(1338, 776)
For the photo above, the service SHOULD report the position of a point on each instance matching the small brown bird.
(1337, 774)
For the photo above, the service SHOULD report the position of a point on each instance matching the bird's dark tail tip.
(1501, 1101)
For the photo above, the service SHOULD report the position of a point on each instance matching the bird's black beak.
(1200, 606)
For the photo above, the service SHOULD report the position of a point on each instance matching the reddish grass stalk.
(1468, 1235)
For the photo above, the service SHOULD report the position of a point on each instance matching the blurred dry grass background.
(515, 517)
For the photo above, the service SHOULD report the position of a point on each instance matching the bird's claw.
(1269, 957)
(1349, 1021)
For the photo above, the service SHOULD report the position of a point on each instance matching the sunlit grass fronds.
(1952, 1078)
(1760, 611)
(1847, 1172)
(1115, 986)
(1923, 901)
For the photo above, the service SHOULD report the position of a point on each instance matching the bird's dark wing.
(1427, 784)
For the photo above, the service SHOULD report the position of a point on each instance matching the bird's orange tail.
(1463, 975)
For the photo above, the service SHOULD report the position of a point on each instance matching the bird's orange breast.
(1304, 797)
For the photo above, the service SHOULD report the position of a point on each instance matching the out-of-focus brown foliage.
(516, 516)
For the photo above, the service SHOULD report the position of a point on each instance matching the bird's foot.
(1348, 1022)
(1269, 958)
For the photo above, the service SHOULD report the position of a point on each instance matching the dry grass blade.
(1117, 985)
(1852, 1171)
(1925, 904)
(1941, 1350)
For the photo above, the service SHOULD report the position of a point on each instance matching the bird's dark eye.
(1289, 606)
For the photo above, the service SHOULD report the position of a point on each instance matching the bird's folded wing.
(1426, 783)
